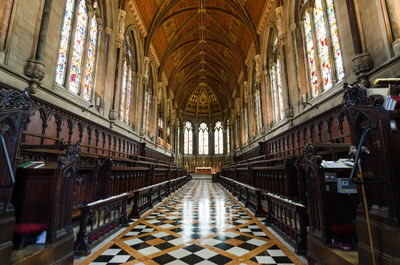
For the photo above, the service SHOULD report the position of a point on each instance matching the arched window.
(203, 139)
(257, 100)
(147, 103)
(228, 144)
(325, 65)
(276, 80)
(78, 45)
(188, 141)
(218, 139)
(127, 82)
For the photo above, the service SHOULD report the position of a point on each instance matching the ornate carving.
(35, 71)
(280, 23)
(362, 63)
(354, 95)
(15, 105)
(121, 27)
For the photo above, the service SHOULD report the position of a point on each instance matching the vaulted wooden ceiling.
(201, 43)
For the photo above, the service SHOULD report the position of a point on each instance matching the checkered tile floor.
(200, 224)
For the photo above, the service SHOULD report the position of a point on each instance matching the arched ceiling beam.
(196, 71)
(236, 51)
(209, 61)
(172, 46)
(186, 59)
(225, 66)
(174, 43)
(166, 7)
(210, 40)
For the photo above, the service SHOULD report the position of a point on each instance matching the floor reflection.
(200, 224)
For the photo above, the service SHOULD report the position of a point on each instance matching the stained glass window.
(276, 81)
(311, 54)
(188, 141)
(203, 139)
(335, 40)
(91, 58)
(123, 91)
(323, 15)
(218, 139)
(320, 30)
(257, 100)
(280, 110)
(128, 96)
(228, 143)
(79, 46)
(77, 51)
(64, 43)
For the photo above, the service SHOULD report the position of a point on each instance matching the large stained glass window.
(323, 50)
(228, 139)
(218, 139)
(203, 139)
(64, 42)
(276, 81)
(79, 45)
(188, 139)
(91, 58)
(128, 81)
(77, 53)
(123, 91)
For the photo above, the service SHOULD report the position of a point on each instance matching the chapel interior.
(200, 132)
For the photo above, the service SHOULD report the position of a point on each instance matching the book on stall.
(396, 102)
(32, 164)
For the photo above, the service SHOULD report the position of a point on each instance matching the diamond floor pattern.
(200, 224)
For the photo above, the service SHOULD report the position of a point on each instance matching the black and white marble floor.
(200, 224)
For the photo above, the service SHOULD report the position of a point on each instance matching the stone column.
(5, 21)
(35, 66)
(362, 62)
(119, 38)
(293, 30)
(106, 44)
(393, 8)
(259, 79)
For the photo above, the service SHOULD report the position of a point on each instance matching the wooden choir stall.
(310, 193)
(60, 171)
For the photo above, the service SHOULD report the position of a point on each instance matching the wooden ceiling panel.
(202, 46)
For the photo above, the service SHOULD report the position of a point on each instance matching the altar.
(203, 170)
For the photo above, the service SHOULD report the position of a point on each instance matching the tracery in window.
(322, 22)
(77, 52)
(188, 139)
(218, 139)
(203, 139)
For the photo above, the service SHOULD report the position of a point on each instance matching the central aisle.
(200, 224)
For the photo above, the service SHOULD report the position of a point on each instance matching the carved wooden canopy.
(202, 46)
